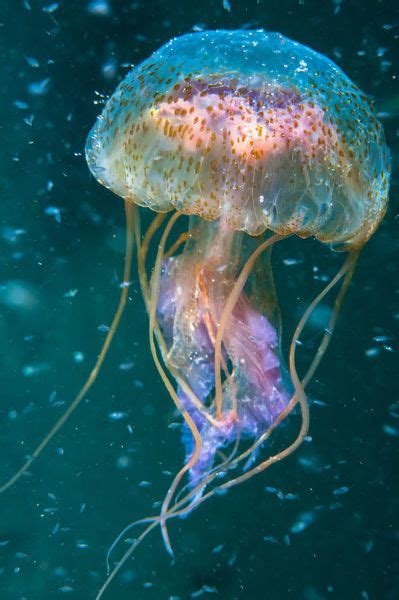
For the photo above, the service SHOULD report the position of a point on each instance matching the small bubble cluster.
(250, 128)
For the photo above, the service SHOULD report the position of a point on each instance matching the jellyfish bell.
(251, 129)
(253, 138)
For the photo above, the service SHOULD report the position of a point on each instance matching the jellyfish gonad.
(245, 138)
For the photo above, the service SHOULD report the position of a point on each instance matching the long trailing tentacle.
(142, 251)
(153, 303)
(180, 507)
(346, 270)
(123, 560)
(129, 210)
(350, 265)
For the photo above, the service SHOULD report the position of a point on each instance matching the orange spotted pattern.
(255, 130)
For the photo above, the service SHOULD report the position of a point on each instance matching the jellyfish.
(236, 140)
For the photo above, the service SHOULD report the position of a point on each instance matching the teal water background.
(62, 239)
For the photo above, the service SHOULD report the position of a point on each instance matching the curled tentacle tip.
(168, 546)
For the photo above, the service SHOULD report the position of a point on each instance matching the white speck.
(56, 529)
(368, 546)
(18, 295)
(21, 105)
(388, 348)
(320, 403)
(99, 7)
(50, 8)
(35, 369)
(337, 52)
(232, 559)
(110, 68)
(39, 88)
(103, 328)
(70, 293)
(394, 410)
(117, 416)
(32, 62)
(303, 67)
(270, 539)
(78, 357)
(389, 430)
(371, 352)
(291, 261)
(12, 234)
(381, 338)
(227, 5)
(53, 211)
(337, 6)
(304, 520)
(341, 490)
(291, 496)
(123, 462)
(126, 366)
(206, 589)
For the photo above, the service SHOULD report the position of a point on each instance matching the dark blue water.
(324, 523)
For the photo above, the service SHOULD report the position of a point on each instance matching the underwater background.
(322, 524)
